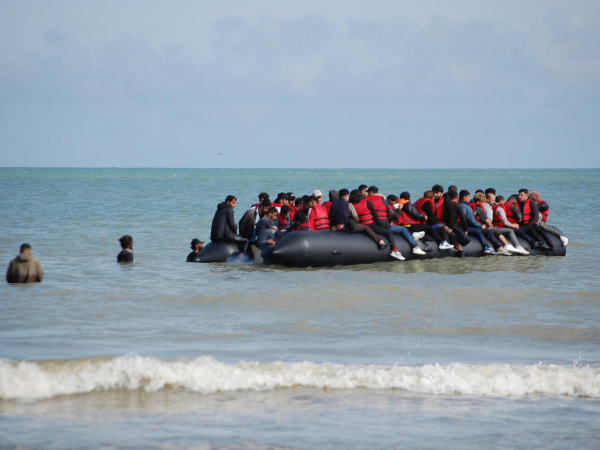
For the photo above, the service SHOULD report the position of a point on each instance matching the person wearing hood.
(24, 268)
(334, 196)
(223, 226)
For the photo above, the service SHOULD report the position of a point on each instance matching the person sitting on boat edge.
(474, 227)
(394, 216)
(196, 245)
(486, 224)
(505, 212)
(126, 254)
(530, 220)
(544, 212)
(455, 222)
(496, 212)
(318, 216)
(224, 228)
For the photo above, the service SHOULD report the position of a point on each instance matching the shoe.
(488, 250)
(493, 252)
(538, 244)
(380, 246)
(397, 255)
(520, 250)
(417, 251)
(427, 249)
(503, 252)
(418, 235)
(510, 248)
(564, 241)
(445, 246)
(460, 254)
(551, 245)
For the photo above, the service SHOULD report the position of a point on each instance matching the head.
(344, 193)
(318, 195)
(362, 189)
(272, 213)
(405, 195)
(479, 198)
(291, 198)
(500, 199)
(452, 187)
(197, 245)
(301, 217)
(490, 190)
(464, 196)
(231, 200)
(453, 195)
(299, 204)
(513, 198)
(334, 195)
(523, 195)
(479, 190)
(392, 199)
(312, 201)
(356, 196)
(25, 249)
(282, 199)
(428, 194)
(264, 208)
(372, 190)
(438, 191)
(535, 196)
(126, 242)
(285, 211)
(491, 198)
(262, 196)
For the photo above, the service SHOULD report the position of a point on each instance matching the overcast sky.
(395, 83)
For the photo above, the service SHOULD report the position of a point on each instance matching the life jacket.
(304, 226)
(509, 214)
(380, 207)
(472, 204)
(439, 210)
(406, 218)
(364, 214)
(327, 205)
(497, 220)
(282, 221)
(419, 204)
(544, 213)
(477, 218)
(320, 219)
(527, 216)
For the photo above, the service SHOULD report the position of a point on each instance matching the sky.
(323, 84)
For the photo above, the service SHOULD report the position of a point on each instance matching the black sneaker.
(380, 246)
(460, 253)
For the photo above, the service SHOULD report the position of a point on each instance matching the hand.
(425, 216)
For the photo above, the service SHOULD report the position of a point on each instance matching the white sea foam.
(38, 380)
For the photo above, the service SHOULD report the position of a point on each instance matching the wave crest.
(24, 380)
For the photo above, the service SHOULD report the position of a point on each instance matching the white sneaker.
(510, 248)
(519, 249)
(445, 246)
(418, 235)
(504, 251)
(564, 241)
(397, 255)
(417, 250)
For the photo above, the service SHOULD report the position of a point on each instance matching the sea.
(493, 352)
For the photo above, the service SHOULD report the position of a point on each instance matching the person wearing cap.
(196, 245)
(318, 195)
(25, 268)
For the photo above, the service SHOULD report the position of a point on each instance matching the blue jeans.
(404, 232)
(479, 235)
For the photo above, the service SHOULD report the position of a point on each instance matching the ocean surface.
(491, 352)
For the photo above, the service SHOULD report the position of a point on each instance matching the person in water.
(196, 245)
(223, 227)
(25, 268)
(126, 254)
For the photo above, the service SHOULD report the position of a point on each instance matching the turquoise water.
(480, 352)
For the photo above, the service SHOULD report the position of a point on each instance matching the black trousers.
(535, 232)
(385, 232)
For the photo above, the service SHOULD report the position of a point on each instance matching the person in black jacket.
(455, 219)
(223, 226)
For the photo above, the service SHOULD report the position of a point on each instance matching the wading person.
(196, 245)
(25, 268)
(126, 254)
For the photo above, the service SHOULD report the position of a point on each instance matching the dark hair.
(405, 195)
(300, 217)
(355, 196)
(272, 210)
(230, 198)
(452, 194)
(291, 196)
(195, 242)
(499, 198)
(305, 198)
(125, 241)
(463, 193)
(311, 198)
(490, 190)
(25, 247)
(392, 198)
(514, 198)
(452, 187)
(263, 195)
(524, 190)
(299, 201)
(362, 187)
(344, 192)
(479, 190)
(266, 202)
(285, 209)
(373, 189)
(281, 196)
(437, 188)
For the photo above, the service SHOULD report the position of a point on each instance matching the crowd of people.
(449, 219)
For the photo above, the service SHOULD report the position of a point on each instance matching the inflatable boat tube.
(327, 249)
(221, 252)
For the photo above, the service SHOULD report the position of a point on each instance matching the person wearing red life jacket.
(284, 217)
(343, 217)
(438, 203)
(545, 211)
(318, 195)
(318, 216)
(530, 221)
(504, 212)
(426, 206)
(333, 197)
(367, 214)
(496, 211)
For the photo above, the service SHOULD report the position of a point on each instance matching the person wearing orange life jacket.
(371, 215)
(425, 205)
(530, 220)
(318, 216)
(545, 211)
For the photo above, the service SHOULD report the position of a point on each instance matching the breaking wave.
(25, 380)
